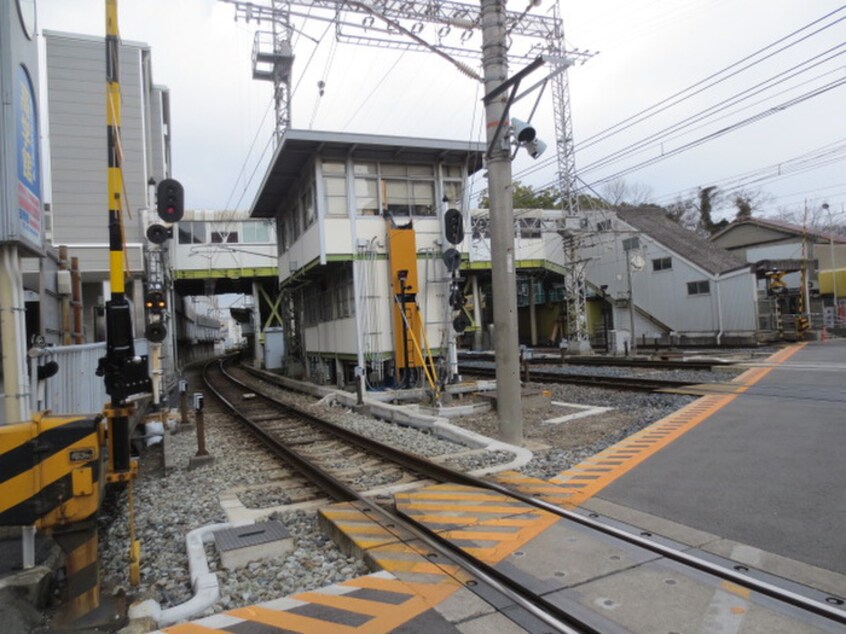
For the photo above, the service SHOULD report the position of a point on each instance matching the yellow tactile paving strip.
(586, 479)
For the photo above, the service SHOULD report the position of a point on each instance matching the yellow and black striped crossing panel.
(49, 471)
(373, 604)
(486, 524)
(586, 479)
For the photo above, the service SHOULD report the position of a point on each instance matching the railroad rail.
(550, 358)
(257, 417)
(638, 384)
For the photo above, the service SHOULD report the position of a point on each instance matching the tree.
(619, 193)
(747, 201)
(685, 212)
(526, 197)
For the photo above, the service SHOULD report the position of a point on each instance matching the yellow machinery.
(402, 258)
(409, 333)
(51, 477)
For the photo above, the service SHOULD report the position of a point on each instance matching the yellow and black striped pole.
(120, 360)
(116, 270)
(82, 566)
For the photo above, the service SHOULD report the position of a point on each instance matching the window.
(366, 189)
(311, 308)
(453, 191)
(307, 205)
(335, 182)
(191, 232)
(256, 232)
(410, 198)
(604, 225)
(663, 264)
(529, 227)
(454, 171)
(282, 232)
(344, 294)
(220, 237)
(294, 217)
(700, 287)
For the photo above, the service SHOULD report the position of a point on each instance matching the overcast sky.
(649, 50)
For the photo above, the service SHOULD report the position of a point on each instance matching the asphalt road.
(767, 470)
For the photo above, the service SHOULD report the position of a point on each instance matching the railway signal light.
(158, 234)
(170, 200)
(453, 226)
(461, 323)
(452, 259)
(457, 299)
(155, 301)
(156, 332)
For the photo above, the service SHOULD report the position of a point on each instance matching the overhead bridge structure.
(215, 253)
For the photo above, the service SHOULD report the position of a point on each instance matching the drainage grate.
(250, 535)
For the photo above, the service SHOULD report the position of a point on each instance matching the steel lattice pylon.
(399, 24)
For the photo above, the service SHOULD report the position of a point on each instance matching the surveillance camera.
(536, 148)
(523, 132)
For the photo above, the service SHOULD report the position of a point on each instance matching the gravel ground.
(168, 507)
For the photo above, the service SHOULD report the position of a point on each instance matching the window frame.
(694, 288)
(662, 264)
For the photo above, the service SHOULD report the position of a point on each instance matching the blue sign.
(29, 164)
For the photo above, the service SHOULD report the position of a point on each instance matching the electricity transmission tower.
(451, 30)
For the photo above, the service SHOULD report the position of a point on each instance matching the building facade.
(75, 149)
(810, 267)
(336, 199)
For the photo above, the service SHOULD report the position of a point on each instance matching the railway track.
(316, 452)
(550, 358)
(638, 384)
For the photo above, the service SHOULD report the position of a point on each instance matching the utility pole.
(495, 67)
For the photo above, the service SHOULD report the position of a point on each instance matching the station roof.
(298, 146)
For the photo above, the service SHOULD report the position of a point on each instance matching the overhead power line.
(691, 90)
(736, 126)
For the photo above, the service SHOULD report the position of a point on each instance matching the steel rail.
(552, 359)
(529, 601)
(439, 472)
(613, 382)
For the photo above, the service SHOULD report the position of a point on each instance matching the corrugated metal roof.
(298, 146)
(655, 224)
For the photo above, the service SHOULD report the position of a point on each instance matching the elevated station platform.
(751, 476)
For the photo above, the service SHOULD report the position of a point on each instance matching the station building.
(339, 201)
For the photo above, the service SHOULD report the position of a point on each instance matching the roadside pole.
(494, 62)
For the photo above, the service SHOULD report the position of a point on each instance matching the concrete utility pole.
(495, 66)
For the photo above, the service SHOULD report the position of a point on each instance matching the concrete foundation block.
(195, 462)
(252, 542)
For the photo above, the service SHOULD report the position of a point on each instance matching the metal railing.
(75, 389)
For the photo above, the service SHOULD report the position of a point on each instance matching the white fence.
(75, 389)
